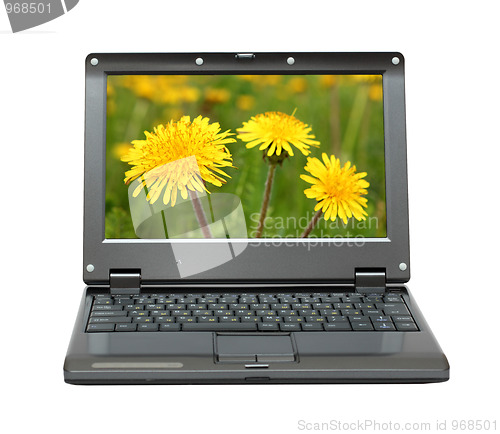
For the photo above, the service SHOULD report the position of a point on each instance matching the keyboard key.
(196, 306)
(322, 306)
(362, 318)
(238, 306)
(406, 326)
(330, 299)
(131, 327)
(143, 319)
(289, 327)
(155, 306)
(229, 319)
(342, 326)
(132, 307)
(176, 312)
(259, 306)
(274, 319)
(107, 307)
(380, 318)
(185, 319)
(147, 327)
(337, 319)
(219, 326)
(374, 299)
(312, 326)
(172, 327)
(207, 319)
(114, 320)
(383, 326)
(203, 312)
(164, 319)
(308, 312)
(263, 312)
(393, 298)
(344, 305)
(215, 306)
(268, 326)
(372, 312)
(101, 301)
(175, 306)
(100, 328)
(365, 305)
(351, 312)
(402, 318)
(108, 313)
(253, 319)
(351, 299)
(362, 326)
(136, 313)
(160, 313)
(399, 309)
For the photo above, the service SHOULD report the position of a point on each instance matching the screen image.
(244, 157)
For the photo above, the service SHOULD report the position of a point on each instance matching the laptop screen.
(244, 157)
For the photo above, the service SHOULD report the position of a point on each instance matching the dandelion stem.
(143, 180)
(200, 214)
(164, 223)
(265, 200)
(312, 224)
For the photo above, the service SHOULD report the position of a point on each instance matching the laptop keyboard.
(256, 312)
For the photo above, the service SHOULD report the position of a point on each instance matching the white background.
(452, 97)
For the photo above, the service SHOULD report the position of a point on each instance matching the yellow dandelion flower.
(198, 149)
(276, 131)
(338, 190)
(121, 149)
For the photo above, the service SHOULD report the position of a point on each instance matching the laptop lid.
(250, 167)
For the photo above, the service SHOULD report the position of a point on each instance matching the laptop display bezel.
(318, 260)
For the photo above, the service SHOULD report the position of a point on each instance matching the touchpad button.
(239, 348)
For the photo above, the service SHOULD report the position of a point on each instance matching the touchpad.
(239, 348)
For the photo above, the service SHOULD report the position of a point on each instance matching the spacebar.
(218, 326)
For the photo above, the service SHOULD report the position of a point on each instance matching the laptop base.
(296, 357)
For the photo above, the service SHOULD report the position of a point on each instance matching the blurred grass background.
(345, 113)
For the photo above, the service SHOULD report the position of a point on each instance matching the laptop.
(246, 221)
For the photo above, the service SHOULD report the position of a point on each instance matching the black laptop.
(246, 221)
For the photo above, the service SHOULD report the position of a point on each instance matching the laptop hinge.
(125, 282)
(370, 280)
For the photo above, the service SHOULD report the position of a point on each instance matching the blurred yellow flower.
(327, 80)
(363, 78)
(245, 102)
(338, 190)
(217, 96)
(166, 89)
(110, 107)
(262, 80)
(121, 149)
(276, 131)
(110, 90)
(375, 92)
(297, 84)
(152, 158)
